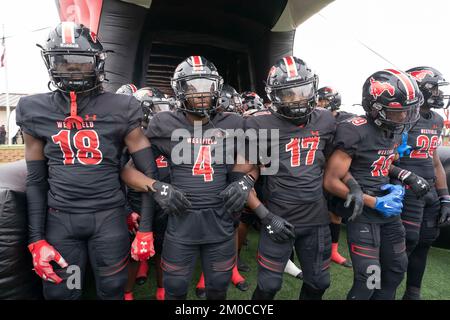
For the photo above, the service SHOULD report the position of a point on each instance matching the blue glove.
(390, 204)
(404, 149)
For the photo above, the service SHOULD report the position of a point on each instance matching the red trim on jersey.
(406, 81)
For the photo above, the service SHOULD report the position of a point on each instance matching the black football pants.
(103, 237)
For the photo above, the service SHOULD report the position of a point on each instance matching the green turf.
(436, 284)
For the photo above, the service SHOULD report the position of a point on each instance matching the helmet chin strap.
(74, 120)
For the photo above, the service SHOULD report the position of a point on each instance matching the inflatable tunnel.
(151, 37)
(17, 279)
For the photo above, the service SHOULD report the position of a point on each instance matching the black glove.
(170, 199)
(444, 216)
(354, 195)
(417, 184)
(236, 194)
(278, 229)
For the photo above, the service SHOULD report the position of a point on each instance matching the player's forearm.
(136, 179)
(37, 189)
(337, 187)
(441, 178)
(253, 202)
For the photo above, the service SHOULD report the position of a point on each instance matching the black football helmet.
(292, 88)
(230, 100)
(251, 101)
(74, 58)
(435, 90)
(127, 89)
(197, 86)
(391, 98)
(331, 98)
(152, 101)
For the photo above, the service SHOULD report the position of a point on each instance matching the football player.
(422, 217)
(197, 169)
(74, 137)
(366, 147)
(296, 214)
(230, 100)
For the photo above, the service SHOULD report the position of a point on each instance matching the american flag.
(3, 49)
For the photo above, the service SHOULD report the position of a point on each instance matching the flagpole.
(8, 108)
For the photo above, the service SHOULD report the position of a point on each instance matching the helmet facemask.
(395, 118)
(74, 71)
(295, 101)
(437, 95)
(199, 94)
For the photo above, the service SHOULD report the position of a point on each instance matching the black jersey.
(342, 115)
(424, 138)
(372, 151)
(301, 160)
(198, 167)
(84, 165)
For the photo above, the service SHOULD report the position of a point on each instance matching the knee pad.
(412, 235)
(309, 293)
(269, 281)
(60, 292)
(112, 287)
(400, 259)
(175, 286)
(216, 294)
(259, 294)
(219, 281)
(364, 258)
(429, 232)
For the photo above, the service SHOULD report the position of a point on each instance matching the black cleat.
(243, 285)
(200, 293)
(347, 264)
(140, 281)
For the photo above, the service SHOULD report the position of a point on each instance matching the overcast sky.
(405, 32)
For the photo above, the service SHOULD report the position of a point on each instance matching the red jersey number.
(295, 145)
(380, 167)
(86, 143)
(202, 165)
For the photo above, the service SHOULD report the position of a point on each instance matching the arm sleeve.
(37, 188)
(144, 161)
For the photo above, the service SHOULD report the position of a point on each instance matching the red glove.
(142, 247)
(43, 253)
(133, 221)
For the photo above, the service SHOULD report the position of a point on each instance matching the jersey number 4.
(296, 145)
(381, 165)
(86, 144)
(427, 147)
(202, 165)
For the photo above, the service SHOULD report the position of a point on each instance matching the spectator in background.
(2, 134)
